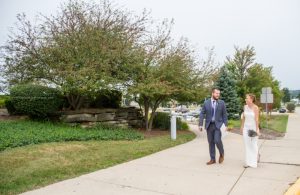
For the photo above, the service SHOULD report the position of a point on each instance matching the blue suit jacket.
(220, 114)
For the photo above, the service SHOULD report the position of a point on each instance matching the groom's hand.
(200, 128)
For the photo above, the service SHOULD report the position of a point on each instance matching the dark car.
(282, 110)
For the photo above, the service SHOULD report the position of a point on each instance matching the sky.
(272, 27)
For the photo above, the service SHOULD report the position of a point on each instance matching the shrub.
(163, 121)
(36, 101)
(291, 106)
(3, 98)
(181, 125)
(21, 133)
(10, 107)
(107, 99)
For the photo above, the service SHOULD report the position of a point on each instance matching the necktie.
(213, 110)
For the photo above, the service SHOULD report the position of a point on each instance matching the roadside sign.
(266, 90)
(266, 98)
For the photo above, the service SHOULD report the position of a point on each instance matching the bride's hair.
(252, 96)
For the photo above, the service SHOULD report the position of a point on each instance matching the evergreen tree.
(227, 86)
(286, 95)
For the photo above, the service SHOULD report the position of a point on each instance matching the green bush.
(162, 121)
(21, 133)
(291, 106)
(3, 98)
(38, 102)
(10, 107)
(107, 99)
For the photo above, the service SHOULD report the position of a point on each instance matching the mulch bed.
(265, 134)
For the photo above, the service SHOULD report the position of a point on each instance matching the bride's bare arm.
(256, 110)
(242, 121)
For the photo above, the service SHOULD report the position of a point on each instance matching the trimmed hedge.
(162, 121)
(21, 133)
(10, 107)
(36, 101)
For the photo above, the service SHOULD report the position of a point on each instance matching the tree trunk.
(146, 106)
(75, 101)
(154, 108)
(151, 119)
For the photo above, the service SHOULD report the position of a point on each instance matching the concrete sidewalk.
(182, 170)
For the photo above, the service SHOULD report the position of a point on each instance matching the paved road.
(182, 170)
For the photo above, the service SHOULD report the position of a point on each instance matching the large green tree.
(239, 64)
(258, 77)
(227, 85)
(251, 76)
(166, 71)
(80, 50)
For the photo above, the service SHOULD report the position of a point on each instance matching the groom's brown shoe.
(211, 162)
(221, 159)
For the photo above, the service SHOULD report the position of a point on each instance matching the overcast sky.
(271, 26)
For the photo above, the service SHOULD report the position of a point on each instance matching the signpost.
(173, 125)
(266, 97)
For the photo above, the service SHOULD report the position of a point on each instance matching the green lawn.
(21, 133)
(275, 122)
(33, 166)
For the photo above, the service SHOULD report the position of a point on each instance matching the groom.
(215, 114)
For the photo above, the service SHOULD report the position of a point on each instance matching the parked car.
(282, 110)
(182, 109)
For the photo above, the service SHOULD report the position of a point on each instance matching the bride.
(250, 121)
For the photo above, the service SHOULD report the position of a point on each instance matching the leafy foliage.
(291, 106)
(163, 121)
(107, 99)
(251, 76)
(81, 49)
(10, 107)
(3, 98)
(35, 100)
(21, 133)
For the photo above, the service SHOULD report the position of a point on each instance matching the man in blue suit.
(215, 114)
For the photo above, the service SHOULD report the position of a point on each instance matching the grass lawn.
(275, 122)
(33, 166)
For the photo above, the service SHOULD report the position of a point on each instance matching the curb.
(294, 189)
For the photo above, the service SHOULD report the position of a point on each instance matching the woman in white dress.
(250, 121)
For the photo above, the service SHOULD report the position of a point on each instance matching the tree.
(80, 50)
(298, 96)
(242, 60)
(251, 76)
(258, 77)
(227, 86)
(164, 71)
(286, 95)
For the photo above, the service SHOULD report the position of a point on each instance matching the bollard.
(173, 126)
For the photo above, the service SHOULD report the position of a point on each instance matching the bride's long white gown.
(251, 147)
